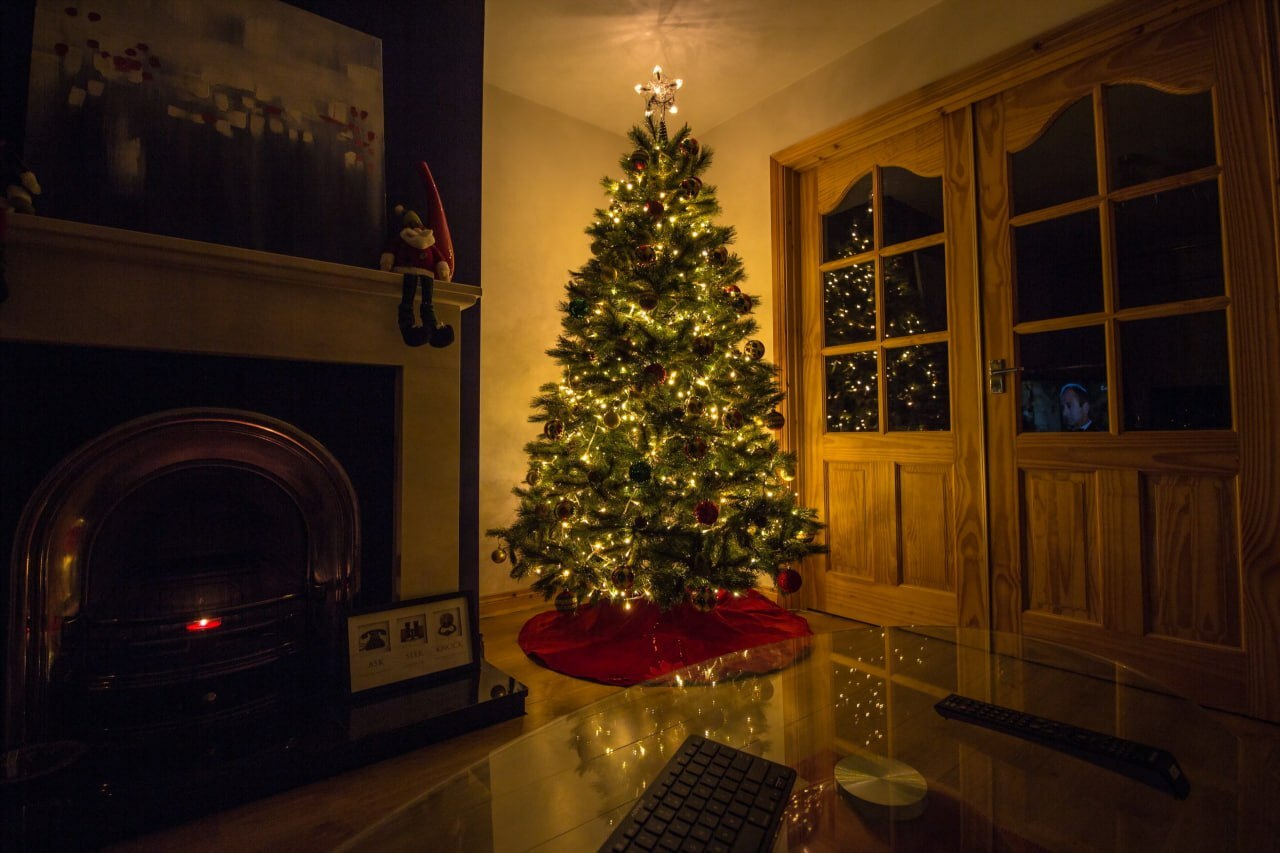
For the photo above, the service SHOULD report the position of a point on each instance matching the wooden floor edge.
(501, 603)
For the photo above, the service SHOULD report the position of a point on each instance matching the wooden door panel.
(1060, 544)
(849, 509)
(1193, 571)
(926, 518)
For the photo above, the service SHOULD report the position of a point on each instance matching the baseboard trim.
(499, 603)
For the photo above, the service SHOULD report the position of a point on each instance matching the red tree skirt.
(613, 645)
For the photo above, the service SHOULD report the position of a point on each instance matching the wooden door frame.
(1102, 30)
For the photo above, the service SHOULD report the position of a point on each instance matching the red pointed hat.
(434, 215)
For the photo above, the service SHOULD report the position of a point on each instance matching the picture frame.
(421, 639)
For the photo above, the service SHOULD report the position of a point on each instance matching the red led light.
(206, 624)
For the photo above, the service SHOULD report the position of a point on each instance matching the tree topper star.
(661, 94)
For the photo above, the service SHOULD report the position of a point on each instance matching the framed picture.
(249, 123)
(410, 640)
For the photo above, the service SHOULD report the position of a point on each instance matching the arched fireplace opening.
(179, 585)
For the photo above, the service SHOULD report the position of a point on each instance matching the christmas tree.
(657, 473)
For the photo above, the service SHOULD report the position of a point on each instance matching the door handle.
(995, 375)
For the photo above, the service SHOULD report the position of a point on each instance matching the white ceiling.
(584, 57)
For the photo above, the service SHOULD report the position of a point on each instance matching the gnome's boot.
(431, 331)
(441, 335)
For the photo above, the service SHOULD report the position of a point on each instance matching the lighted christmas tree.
(657, 473)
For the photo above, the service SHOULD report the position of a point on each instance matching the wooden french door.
(891, 383)
(1040, 360)
(1128, 284)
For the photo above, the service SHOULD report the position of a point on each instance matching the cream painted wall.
(541, 185)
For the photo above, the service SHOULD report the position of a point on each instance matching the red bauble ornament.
(720, 257)
(655, 374)
(553, 428)
(733, 419)
(624, 579)
(775, 420)
(565, 510)
(694, 408)
(789, 581)
(565, 602)
(654, 208)
(753, 349)
(706, 512)
(611, 419)
(731, 292)
(645, 254)
(639, 159)
(703, 346)
(647, 301)
(743, 303)
(690, 187)
(695, 448)
(689, 146)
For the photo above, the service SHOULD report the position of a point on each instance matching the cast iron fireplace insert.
(178, 588)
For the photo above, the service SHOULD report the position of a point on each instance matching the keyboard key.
(646, 840)
(669, 842)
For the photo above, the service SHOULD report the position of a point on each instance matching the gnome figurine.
(413, 252)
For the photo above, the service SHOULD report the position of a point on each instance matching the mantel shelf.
(90, 242)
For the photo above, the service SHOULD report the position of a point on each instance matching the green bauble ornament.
(578, 307)
(611, 419)
(775, 420)
(640, 472)
(624, 579)
(703, 598)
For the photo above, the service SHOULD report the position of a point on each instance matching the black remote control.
(1148, 764)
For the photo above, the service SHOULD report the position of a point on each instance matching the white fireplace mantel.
(73, 283)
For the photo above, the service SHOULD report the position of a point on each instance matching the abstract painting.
(245, 122)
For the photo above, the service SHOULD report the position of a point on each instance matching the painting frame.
(189, 121)
(419, 640)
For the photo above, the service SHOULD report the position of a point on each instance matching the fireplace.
(209, 453)
(182, 581)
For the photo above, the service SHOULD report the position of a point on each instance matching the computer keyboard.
(709, 797)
